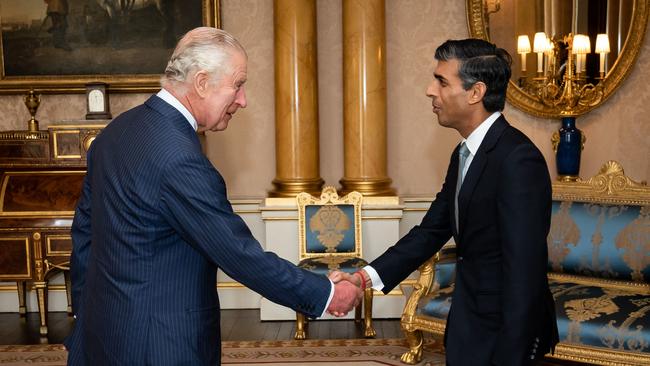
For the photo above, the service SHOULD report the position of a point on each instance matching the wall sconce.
(523, 48)
(602, 48)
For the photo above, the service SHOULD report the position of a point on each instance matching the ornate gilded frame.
(328, 196)
(138, 83)
(476, 21)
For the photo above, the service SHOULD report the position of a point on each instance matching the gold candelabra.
(563, 87)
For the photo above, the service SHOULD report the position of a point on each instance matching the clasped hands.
(348, 292)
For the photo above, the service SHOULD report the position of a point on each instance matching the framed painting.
(58, 46)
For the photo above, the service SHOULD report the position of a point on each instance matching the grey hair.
(203, 48)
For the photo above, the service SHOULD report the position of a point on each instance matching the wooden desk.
(41, 175)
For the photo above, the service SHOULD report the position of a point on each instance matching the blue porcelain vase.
(569, 148)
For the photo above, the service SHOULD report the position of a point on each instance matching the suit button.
(460, 259)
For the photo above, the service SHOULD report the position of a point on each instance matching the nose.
(241, 97)
(431, 90)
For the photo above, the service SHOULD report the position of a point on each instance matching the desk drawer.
(15, 257)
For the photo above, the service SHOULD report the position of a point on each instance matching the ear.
(477, 92)
(200, 83)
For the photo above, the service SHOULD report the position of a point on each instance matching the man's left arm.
(523, 213)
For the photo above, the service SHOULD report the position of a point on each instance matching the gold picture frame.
(143, 58)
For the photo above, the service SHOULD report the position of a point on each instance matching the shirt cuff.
(327, 305)
(377, 284)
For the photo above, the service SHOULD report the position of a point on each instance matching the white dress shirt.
(171, 100)
(473, 142)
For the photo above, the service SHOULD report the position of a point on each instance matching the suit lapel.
(477, 167)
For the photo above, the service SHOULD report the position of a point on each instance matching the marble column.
(296, 99)
(364, 98)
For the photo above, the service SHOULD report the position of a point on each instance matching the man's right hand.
(346, 297)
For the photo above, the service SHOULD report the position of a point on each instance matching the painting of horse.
(56, 40)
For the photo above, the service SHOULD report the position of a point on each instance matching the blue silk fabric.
(323, 265)
(597, 240)
(602, 316)
(329, 226)
(437, 302)
(594, 241)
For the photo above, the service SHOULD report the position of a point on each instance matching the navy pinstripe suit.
(151, 228)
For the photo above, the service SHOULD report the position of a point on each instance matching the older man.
(154, 224)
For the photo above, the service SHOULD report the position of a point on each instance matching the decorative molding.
(609, 186)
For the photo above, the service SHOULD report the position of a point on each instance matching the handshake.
(348, 291)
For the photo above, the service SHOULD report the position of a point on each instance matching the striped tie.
(463, 153)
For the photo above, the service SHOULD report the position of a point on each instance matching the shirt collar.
(171, 100)
(475, 138)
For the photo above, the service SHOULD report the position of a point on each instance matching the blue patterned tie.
(463, 153)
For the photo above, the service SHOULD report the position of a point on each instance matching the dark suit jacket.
(151, 229)
(501, 303)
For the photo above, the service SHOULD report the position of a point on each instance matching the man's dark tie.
(463, 153)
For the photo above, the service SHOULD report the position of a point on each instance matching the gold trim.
(55, 144)
(477, 25)
(132, 83)
(74, 126)
(28, 258)
(610, 185)
(381, 217)
(593, 355)
(49, 250)
(230, 285)
(290, 188)
(368, 187)
(24, 135)
(636, 287)
(279, 218)
(30, 287)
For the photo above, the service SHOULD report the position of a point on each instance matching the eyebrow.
(439, 77)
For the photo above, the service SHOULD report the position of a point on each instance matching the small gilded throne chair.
(329, 237)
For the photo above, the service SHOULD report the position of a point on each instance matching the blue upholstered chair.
(329, 231)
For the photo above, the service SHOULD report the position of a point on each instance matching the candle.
(540, 45)
(523, 47)
(602, 48)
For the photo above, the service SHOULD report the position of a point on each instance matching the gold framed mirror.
(545, 81)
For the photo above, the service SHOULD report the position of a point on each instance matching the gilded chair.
(329, 236)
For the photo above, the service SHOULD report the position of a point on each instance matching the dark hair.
(480, 60)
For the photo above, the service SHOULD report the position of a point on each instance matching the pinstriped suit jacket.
(151, 229)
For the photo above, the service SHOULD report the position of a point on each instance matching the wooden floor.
(236, 325)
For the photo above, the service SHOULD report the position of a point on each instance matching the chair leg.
(414, 354)
(22, 291)
(300, 327)
(68, 290)
(357, 313)
(368, 330)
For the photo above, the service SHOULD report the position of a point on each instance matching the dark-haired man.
(496, 203)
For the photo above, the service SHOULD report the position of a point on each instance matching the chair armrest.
(420, 288)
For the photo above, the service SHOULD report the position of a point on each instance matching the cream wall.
(418, 149)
